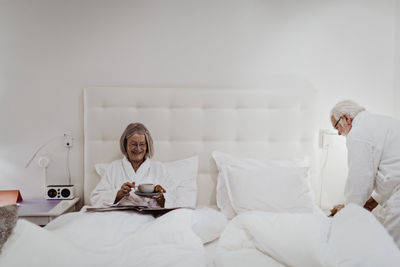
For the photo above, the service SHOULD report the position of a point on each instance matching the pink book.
(10, 197)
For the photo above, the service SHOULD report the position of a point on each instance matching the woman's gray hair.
(346, 107)
(139, 128)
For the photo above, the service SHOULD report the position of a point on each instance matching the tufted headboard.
(263, 124)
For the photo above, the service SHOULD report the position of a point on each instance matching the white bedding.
(352, 238)
(246, 184)
(106, 239)
(210, 250)
(273, 239)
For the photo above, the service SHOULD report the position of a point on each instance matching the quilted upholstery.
(263, 124)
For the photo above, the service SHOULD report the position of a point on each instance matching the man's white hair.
(346, 107)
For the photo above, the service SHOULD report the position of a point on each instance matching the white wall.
(397, 60)
(50, 50)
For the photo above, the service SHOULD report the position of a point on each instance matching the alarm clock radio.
(60, 192)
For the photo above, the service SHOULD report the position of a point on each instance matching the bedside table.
(41, 211)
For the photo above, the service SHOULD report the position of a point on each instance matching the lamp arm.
(38, 150)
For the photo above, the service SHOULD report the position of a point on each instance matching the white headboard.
(263, 124)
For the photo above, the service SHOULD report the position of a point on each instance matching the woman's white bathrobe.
(373, 145)
(121, 171)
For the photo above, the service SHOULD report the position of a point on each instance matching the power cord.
(326, 148)
(44, 161)
(68, 166)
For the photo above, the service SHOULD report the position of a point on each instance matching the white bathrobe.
(121, 171)
(373, 145)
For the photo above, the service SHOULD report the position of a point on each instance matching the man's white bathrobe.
(121, 171)
(373, 145)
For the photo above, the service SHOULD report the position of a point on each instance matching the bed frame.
(262, 124)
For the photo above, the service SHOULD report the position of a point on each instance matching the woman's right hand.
(124, 191)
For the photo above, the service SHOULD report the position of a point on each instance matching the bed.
(185, 122)
(235, 135)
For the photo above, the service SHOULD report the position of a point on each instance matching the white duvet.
(352, 238)
(106, 239)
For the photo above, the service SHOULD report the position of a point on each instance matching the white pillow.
(358, 239)
(222, 160)
(274, 189)
(185, 173)
(208, 223)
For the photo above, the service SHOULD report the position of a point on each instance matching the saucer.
(146, 194)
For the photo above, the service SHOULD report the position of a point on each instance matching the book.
(10, 197)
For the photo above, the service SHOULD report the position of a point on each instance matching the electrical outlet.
(326, 138)
(68, 139)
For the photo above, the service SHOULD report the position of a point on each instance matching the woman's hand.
(160, 196)
(159, 188)
(125, 190)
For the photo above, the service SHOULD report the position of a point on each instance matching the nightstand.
(41, 211)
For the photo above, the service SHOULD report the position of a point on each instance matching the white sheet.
(352, 238)
(210, 251)
(274, 238)
(358, 239)
(106, 239)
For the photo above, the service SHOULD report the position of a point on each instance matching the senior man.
(373, 146)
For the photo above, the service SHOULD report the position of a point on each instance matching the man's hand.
(336, 209)
(370, 204)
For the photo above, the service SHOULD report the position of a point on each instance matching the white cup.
(146, 188)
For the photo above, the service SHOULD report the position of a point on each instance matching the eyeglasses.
(337, 123)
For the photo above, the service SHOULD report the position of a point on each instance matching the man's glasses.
(337, 123)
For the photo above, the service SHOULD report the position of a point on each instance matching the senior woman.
(136, 167)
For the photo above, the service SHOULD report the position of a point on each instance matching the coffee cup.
(146, 188)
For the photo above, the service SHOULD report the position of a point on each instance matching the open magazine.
(131, 207)
(125, 205)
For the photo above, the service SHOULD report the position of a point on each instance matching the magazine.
(128, 203)
(155, 211)
(131, 207)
